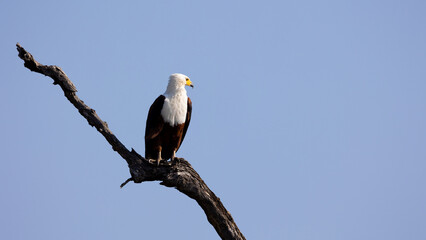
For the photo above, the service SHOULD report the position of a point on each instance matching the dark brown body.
(159, 135)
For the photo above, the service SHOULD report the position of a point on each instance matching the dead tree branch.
(179, 174)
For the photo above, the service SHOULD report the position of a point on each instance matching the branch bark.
(178, 174)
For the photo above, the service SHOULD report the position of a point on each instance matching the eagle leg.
(174, 158)
(159, 158)
(157, 161)
(173, 155)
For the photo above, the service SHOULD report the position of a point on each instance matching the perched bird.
(168, 120)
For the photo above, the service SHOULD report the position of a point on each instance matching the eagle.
(168, 120)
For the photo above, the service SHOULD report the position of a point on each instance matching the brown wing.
(154, 121)
(188, 119)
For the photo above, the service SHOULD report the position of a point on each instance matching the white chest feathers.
(174, 108)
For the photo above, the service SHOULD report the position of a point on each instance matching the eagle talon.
(154, 161)
(159, 162)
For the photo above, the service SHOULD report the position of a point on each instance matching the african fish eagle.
(168, 120)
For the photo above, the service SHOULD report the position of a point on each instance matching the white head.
(178, 81)
(175, 103)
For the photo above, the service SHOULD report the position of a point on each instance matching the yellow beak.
(189, 83)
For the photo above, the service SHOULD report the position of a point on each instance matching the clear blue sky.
(309, 117)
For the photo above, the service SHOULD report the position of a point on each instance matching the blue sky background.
(309, 117)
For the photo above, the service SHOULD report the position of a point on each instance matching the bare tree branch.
(178, 174)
